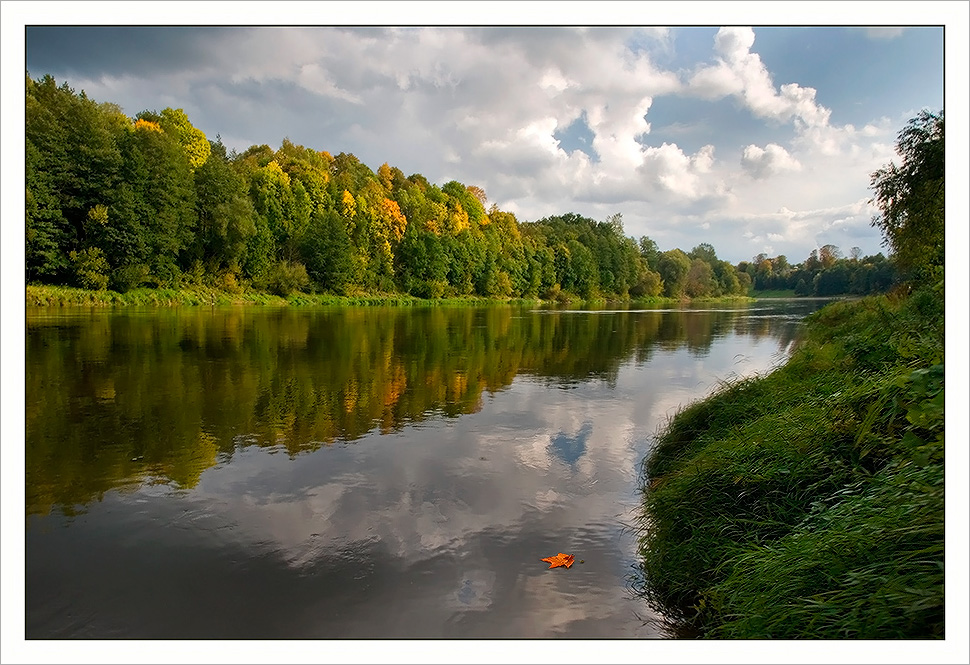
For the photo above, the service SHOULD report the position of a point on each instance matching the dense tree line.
(824, 273)
(118, 202)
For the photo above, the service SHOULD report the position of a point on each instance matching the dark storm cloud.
(116, 50)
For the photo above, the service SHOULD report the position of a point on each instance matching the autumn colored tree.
(699, 281)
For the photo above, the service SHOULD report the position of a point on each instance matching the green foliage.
(699, 281)
(191, 139)
(673, 267)
(284, 278)
(327, 252)
(155, 193)
(910, 198)
(47, 231)
(821, 482)
(130, 277)
(73, 165)
(823, 273)
(225, 212)
(90, 268)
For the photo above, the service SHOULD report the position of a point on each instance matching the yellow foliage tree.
(348, 205)
(392, 219)
(457, 220)
(438, 218)
(192, 139)
(147, 125)
(385, 175)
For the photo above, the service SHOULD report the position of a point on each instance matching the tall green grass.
(55, 296)
(809, 503)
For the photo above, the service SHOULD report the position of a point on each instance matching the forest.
(114, 202)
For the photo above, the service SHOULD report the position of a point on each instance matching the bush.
(285, 277)
(129, 277)
(228, 282)
(90, 268)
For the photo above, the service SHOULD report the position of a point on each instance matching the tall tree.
(673, 268)
(225, 213)
(192, 139)
(328, 253)
(910, 197)
(153, 219)
(73, 165)
(650, 252)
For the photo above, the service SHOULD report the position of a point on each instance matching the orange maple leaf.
(560, 560)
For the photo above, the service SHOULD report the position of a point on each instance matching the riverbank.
(54, 296)
(59, 296)
(809, 503)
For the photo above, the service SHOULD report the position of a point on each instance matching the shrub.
(285, 277)
(90, 268)
(129, 277)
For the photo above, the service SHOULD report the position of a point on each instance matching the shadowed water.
(355, 472)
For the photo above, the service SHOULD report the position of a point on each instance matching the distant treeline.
(118, 202)
(824, 273)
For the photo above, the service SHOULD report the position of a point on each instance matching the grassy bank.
(59, 296)
(809, 503)
(151, 297)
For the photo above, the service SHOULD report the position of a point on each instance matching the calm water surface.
(355, 472)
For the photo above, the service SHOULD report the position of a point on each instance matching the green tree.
(47, 232)
(910, 198)
(728, 282)
(705, 252)
(72, 165)
(328, 252)
(673, 267)
(421, 263)
(192, 139)
(834, 281)
(468, 201)
(153, 218)
(699, 281)
(90, 268)
(650, 252)
(648, 284)
(225, 213)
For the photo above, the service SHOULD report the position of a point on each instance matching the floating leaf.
(560, 560)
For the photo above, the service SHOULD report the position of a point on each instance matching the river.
(356, 472)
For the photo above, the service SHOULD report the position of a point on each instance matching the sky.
(754, 140)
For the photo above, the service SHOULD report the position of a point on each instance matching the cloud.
(763, 163)
(740, 73)
(669, 170)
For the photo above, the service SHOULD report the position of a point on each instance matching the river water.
(356, 472)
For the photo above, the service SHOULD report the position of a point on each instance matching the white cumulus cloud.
(739, 72)
(765, 162)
